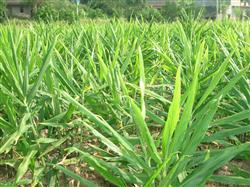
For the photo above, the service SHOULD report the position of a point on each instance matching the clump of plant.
(145, 13)
(170, 11)
(56, 11)
(2, 10)
(95, 13)
(140, 104)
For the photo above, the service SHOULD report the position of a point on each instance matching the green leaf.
(157, 172)
(45, 140)
(204, 171)
(6, 126)
(142, 81)
(100, 122)
(232, 82)
(23, 167)
(226, 133)
(200, 127)
(53, 147)
(144, 132)
(100, 168)
(10, 140)
(38, 174)
(233, 119)
(173, 116)
(232, 180)
(188, 107)
(214, 82)
(42, 71)
(76, 177)
(132, 158)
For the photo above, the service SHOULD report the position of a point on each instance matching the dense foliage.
(66, 10)
(96, 9)
(2, 11)
(138, 9)
(145, 104)
(62, 10)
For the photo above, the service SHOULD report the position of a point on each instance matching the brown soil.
(7, 173)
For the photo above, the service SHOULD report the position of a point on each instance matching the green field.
(142, 104)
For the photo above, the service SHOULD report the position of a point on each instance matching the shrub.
(66, 10)
(56, 10)
(2, 11)
(170, 11)
(46, 12)
(248, 13)
(108, 7)
(238, 12)
(95, 13)
(144, 13)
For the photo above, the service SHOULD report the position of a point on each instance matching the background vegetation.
(2, 11)
(58, 10)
